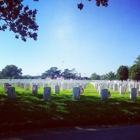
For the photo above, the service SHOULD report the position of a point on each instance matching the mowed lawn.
(30, 111)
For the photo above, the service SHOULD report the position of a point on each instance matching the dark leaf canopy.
(122, 73)
(18, 18)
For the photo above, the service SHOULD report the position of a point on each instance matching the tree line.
(123, 73)
(13, 72)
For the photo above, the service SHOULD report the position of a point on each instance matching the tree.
(122, 73)
(137, 61)
(1, 75)
(111, 75)
(103, 77)
(53, 72)
(21, 19)
(11, 71)
(69, 74)
(135, 72)
(94, 76)
(98, 3)
(18, 18)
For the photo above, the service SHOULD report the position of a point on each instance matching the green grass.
(29, 111)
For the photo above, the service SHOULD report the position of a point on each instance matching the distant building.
(48, 78)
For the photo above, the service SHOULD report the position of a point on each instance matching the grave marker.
(56, 89)
(104, 94)
(35, 89)
(122, 89)
(133, 93)
(47, 93)
(76, 93)
(11, 92)
(5, 86)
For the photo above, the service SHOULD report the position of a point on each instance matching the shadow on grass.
(28, 111)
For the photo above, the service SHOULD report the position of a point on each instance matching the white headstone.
(18, 84)
(45, 85)
(122, 89)
(104, 94)
(115, 87)
(70, 85)
(21, 85)
(130, 86)
(27, 86)
(100, 88)
(11, 92)
(35, 89)
(47, 93)
(5, 86)
(76, 93)
(64, 86)
(56, 89)
(133, 93)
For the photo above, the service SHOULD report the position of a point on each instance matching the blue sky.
(95, 39)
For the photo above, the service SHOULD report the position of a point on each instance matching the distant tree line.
(123, 73)
(13, 72)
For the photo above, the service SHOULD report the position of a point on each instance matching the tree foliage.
(53, 72)
(103, 77)
(135, 72)
(111, 75)
(18, 18)
(98, 3)
(21, 19)
(69, 74)
(122, 73)
(94, 76)
(11, 71)
(137, 61)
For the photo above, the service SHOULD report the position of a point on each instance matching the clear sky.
(95, 39)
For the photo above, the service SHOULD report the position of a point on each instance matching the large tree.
(103, 77)
(94, 76)
(21, 19)
(137, 61)
(11, 71)
(53, 72)
(122, 73)
(111, 75)
(135, 72)
(18, 18)
(69, 74)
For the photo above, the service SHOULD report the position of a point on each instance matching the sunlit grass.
(28, 111)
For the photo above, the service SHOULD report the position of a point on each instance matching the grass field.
(29, 111)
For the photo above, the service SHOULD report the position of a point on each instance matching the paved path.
(78, 133)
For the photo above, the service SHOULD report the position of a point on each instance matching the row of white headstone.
(10, 89)
(103, 88)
